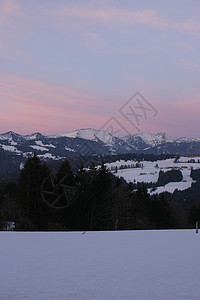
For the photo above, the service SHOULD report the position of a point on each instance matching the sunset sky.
(69, 64)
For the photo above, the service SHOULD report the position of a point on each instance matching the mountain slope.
(142, 140)
(88, 142)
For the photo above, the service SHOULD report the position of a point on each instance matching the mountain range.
(97, 142)
(87, 142)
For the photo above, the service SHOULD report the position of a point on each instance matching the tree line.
(101, 201)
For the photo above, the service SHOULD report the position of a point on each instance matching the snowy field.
(120, 265)
(150, 173)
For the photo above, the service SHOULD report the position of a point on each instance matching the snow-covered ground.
(128, 265)
(10, 148)
(149, 172)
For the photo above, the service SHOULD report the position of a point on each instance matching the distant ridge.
(98, 143)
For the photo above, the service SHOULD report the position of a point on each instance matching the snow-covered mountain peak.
(154, 139)
(87, 133)
(33, 136)
(90, 134)
(148, 138)
(163, 137)
(10, 136)
(187, 140)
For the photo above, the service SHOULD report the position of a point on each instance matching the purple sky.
(73, 64)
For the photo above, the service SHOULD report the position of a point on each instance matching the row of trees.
(102, 201)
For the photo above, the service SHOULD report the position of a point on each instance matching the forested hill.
(92, 199)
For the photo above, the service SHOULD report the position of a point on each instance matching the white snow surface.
(21, 166)
(10, 148)
(40, 143)
(49, 156)
(69, 149)
(27, 154)
(128, 265)
(39, 148)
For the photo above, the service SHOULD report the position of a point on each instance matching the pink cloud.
(29, 105)
(108, 15)
(112, 15)
(40, 106)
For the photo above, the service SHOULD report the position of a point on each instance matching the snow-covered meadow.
(149, 172)
(141, 265)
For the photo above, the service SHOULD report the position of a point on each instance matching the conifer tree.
(33, 211)
(65, 175)
(8, 206)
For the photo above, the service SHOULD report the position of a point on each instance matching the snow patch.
(49, 156)
(69, 149)
(21, 166)
(10, 148)
(39, 148)
(40, 143)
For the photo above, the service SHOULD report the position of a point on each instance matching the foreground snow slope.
(141, 265)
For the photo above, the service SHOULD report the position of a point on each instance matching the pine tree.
(8, 205)
(65, 175)
(33, 211)
(160, 212)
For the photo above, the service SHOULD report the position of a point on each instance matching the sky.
(119, 66)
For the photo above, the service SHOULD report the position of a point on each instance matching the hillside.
(16, 148)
